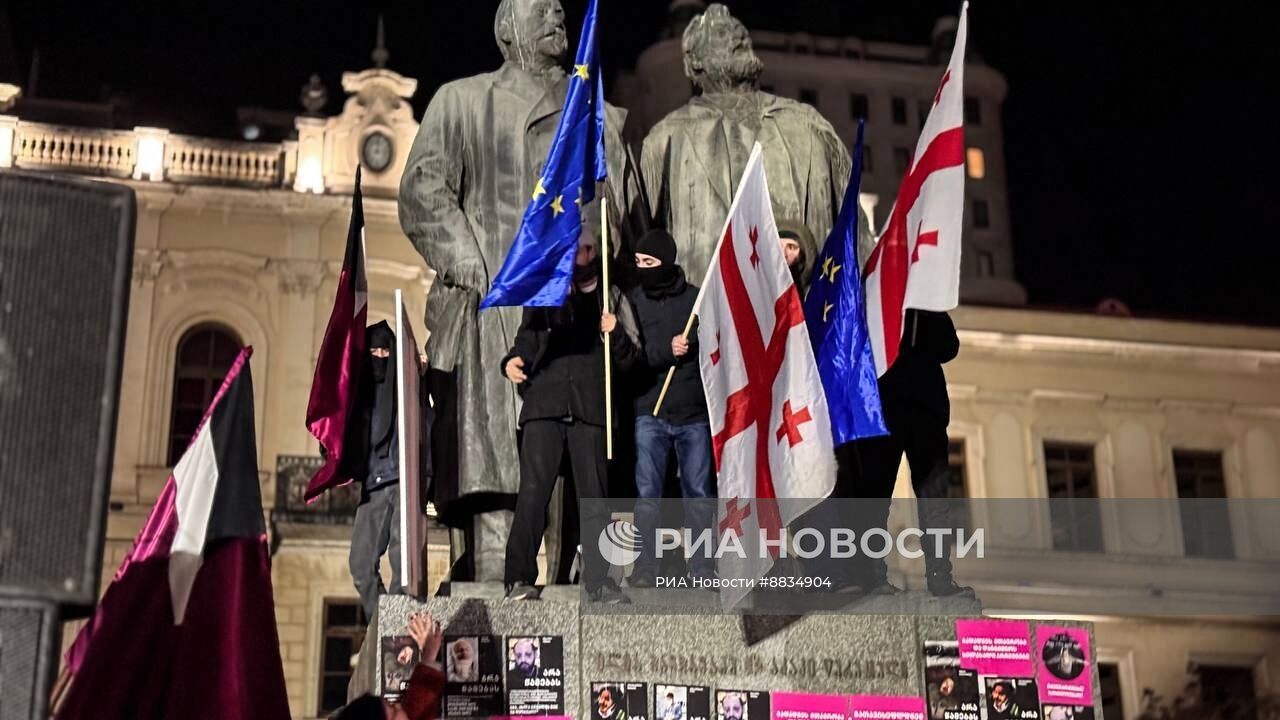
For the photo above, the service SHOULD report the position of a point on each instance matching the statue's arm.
(431, 195)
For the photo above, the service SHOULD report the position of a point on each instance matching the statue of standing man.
(471, 172)
(693, 158)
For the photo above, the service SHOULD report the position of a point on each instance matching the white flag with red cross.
(916, 263)
(770, 430)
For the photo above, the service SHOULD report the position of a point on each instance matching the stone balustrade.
(114, 153)
(85, 150)
(205, 160)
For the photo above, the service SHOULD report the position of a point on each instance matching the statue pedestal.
(872, 646)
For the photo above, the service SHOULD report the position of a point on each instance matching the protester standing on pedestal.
(663, 301)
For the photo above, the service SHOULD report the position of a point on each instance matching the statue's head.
(717, 52)
(531, 33)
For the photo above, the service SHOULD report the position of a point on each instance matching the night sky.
(1139, 136)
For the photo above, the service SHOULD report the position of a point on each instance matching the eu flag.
(835, 314)
(539, 265)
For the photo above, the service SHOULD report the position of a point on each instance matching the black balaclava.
(384, 382)
(667, 276)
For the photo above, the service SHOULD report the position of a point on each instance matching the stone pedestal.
(872, 646)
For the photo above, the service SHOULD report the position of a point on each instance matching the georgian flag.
(916, 263)
(770, 429)
(187, 627)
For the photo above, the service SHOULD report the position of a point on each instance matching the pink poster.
(886, 707)
(803, 706)
(1063, 668)
(996, 647)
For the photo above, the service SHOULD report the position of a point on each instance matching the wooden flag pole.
(671, 371)
(608, 355)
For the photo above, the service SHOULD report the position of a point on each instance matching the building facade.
(241, 243)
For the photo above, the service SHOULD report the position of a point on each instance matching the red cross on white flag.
(916, 263)
(769, 424)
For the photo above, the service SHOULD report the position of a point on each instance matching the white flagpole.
(608, 360)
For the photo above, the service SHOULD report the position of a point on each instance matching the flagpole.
(608, 360)
(671, 371)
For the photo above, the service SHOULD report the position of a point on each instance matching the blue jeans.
(655, 439)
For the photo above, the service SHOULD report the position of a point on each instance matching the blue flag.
(539, 266)
(835, 313)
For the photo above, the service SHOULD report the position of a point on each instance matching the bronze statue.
(470, 174)
(693, 158)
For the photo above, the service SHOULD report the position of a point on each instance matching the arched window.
(205, 354)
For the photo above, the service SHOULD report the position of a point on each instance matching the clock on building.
(376, 151)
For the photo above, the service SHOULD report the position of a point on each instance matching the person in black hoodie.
(913, 393)
(557, 362)
(373, 445)
(663, 300)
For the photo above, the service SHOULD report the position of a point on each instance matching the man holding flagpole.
(559, 356)
(912, 280)
(476, 165)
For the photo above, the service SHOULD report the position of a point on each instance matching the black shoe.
(610, 594)
(941, 584)
(884, 587)
(523, 591)
(641, 580)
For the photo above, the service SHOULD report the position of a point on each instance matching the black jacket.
(661, 318)
(563, 353)
(915, 381)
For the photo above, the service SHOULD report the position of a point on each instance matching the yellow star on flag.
(556, 206)
(826, 266)
(832, 274)
(826, 309)
(581, 71)
(539, 189)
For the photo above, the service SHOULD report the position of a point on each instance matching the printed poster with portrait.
(535, 675)
(681, 702)
(951, 691)
(619, 701)
(473, 676)
(1064, 666)
(399, 658)
(741, 705)
(1005, 698)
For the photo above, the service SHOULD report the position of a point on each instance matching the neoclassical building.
(241, 243)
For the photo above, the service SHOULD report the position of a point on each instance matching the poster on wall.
(473, 676)
(741, 705)
(1010, 699)
(806, 706)
(619, 701)
(886, 707)
(681, 702)
(1066, 712)
(1063, 666)
(951, 692)
(535, 675)
(399, 658)
(996, 647)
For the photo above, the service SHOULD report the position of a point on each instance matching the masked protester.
(799, 250)
(663, 300)
(374, 443)
(557, 363)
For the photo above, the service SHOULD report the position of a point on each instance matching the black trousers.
(542, 447)
(868, 470)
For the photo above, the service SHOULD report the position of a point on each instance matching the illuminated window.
(976, 161)
(205, 355)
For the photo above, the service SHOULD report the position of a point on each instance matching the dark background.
(1139, 135)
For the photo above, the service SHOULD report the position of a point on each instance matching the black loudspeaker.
(30, 634)
(66, 259)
